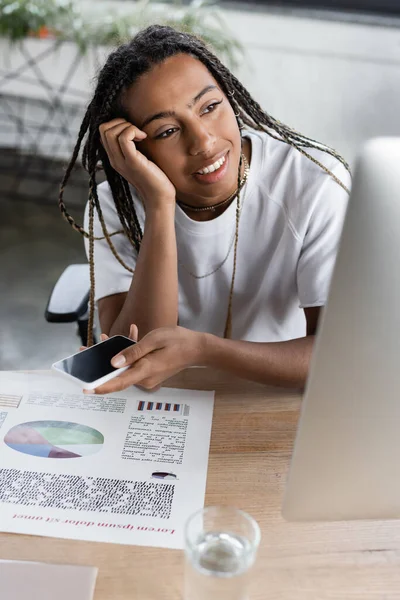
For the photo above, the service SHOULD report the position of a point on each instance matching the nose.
(200, 139)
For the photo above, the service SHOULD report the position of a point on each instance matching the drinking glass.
(221, 544)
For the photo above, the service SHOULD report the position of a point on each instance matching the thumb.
(133, 332)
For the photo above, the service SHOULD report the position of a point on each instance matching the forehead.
(167, 86)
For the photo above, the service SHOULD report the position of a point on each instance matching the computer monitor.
(346, 459)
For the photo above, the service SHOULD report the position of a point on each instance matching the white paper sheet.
(23, 580)
(128, 468)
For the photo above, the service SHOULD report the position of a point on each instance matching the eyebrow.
(171, 113)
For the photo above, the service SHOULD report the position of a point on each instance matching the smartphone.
(92, 367)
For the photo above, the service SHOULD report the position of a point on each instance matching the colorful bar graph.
(177, 409)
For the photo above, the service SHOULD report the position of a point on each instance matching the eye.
(165, 134)
(211, 107)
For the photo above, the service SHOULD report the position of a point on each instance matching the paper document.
(22, 580)
(127, 468)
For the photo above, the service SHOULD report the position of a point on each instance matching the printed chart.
(163, 407)
(54, 439)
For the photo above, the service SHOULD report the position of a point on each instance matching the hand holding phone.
(92, 367)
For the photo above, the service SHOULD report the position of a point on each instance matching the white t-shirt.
(291, 220)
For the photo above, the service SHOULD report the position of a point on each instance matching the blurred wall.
(334, 81)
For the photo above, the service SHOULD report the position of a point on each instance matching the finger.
(148, 387)
(117, 130)
(133, 332)
(103, 337)
(82, 348)
(109, 125)
(126, 140)
(151, 342)
(121, 141)
(139, 133)
(109, 138)
(159, 374)
(132, 376)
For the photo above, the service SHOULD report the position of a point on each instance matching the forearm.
(152, 300)
(276, 363)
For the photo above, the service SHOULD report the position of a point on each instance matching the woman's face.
(190, 125)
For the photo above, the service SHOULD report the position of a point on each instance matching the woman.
(237, 218)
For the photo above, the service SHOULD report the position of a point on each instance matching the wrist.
(162, 212)
(160, 221)
(208, 350)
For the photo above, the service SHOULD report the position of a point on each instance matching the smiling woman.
(214, 215)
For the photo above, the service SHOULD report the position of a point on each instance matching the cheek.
(229, 123)
(227, 129)
(169, 160)
(155, 154)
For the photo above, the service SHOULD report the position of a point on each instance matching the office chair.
(69, 300)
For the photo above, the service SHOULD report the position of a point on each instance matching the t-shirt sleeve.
(321, 238)
(110, 276)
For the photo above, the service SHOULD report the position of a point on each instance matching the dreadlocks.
(123, 67)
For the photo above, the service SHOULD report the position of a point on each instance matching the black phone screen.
(95, 362)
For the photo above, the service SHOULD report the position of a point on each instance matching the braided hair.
(123, 67)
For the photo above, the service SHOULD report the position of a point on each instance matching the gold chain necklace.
(214, 207)
(235, 233)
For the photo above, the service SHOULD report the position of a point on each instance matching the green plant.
(19, 18)
(76, 21)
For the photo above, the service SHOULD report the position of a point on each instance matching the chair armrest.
(68, 301)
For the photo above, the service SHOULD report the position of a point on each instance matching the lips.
(214, 176)
(211, 162)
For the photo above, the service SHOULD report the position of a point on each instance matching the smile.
(214, 167)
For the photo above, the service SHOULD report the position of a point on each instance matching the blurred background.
(328, 68)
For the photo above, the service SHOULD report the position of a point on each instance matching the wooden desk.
(251, 443)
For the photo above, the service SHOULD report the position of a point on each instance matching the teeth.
(212, 167)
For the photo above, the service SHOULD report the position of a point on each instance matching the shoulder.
(105, 193)
(108, 207)
(283, 166)
(301, 185)
(106, 200)
(320, 192)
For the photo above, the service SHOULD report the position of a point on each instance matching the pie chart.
(54, 439)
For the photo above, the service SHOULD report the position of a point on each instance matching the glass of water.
(221, 544)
